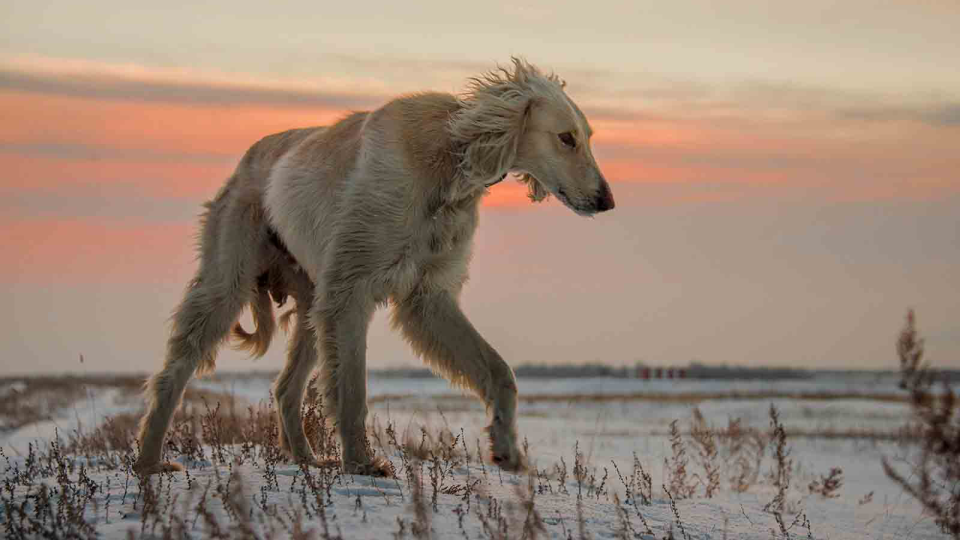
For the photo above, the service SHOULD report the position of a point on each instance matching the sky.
(787, 175)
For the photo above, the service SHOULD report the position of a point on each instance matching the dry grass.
(222, 437)
(214, 432)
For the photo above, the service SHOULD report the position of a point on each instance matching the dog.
(377, 209)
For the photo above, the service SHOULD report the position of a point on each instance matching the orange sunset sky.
(787, 175)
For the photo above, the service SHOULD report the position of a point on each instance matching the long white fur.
(379, 208)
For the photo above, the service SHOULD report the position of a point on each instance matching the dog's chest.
(438, 253)
(447, 229)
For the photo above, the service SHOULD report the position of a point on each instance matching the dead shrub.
(931, 472)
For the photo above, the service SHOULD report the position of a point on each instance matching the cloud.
(945, 115)
(651, 98)
(76, 151)
(840, 107)
(109, 177)
(605, 95)
(126, 202)
(147, 86)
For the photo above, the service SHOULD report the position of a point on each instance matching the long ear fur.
(535, 190)
(492, 116)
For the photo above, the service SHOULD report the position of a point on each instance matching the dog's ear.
(490, 122)
(535, 190)
(488, 131)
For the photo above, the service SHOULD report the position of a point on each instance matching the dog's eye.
(568, 139)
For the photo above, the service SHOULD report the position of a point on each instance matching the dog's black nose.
(605, 198)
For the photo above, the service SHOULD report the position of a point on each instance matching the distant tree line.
(695, 370)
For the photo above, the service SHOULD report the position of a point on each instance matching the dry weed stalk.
(680, 486)
(933, 476)
(910, 352)
(676, 515)
(734, 443)
(420, 526)
(624, 530)
(211, 422)
(623, 518)
(783, 467)
(828, 486)
(581, 521)
(532, 522)
(703, 437)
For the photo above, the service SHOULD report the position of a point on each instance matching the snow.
(605, 431)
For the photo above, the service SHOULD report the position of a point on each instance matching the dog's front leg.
(342, 323)
(438, 330)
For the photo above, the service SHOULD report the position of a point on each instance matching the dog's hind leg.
(229, 248)
(291, 383)
(443, 336)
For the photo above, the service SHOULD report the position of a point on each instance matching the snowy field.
(586, 429)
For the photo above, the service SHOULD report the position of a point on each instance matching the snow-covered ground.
(607, 420)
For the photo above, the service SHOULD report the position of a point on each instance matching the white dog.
(379, 208)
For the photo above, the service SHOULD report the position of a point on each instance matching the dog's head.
(521, 121)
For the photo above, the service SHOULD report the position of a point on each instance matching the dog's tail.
(257, 342)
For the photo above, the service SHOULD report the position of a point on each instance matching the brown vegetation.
(218, 437)
(215, 433)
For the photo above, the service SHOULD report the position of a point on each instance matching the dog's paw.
(376, 466)
(503, 447)
(157, 467)
(514, 462)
